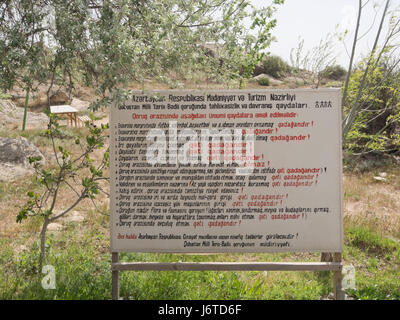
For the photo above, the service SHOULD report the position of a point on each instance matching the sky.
(313, 20)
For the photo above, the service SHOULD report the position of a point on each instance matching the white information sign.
(227, 171)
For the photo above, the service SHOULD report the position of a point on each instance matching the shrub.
(375, 130)
(275, 66)
(336, 72)
(4, 95)
(263, 81)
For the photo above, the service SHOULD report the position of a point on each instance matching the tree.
(109, 43)
(80, 175)
(354, 108)
(310, 65)
(375, 127)
(22, 58)
(106, 44)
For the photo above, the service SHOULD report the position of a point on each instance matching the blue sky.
(313, 20)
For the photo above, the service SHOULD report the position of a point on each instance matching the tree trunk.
(43, 242)
(353, 50)
(26, 108)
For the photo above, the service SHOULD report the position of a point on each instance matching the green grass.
(82, 263)
(377, 262)
(370, 242)
(83, 272)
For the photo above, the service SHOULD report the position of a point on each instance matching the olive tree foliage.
(23, 61)
(108, 43)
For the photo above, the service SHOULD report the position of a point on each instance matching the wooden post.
(337, 279)
(326, 257)
(115, 277)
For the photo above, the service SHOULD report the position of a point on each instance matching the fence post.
(326, 257)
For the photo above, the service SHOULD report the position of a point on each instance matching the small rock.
(75, 217)
(383, 174)
(329, 297)
(379, 179)
(54, 227)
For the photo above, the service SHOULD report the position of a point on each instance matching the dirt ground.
(372, 200)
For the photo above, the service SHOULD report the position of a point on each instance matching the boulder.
(75, 216)
(80, 105)
(259, 69)
(8, 108)
(59, 98)
(14, 157)
(54, 226)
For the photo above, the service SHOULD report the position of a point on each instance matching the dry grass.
(373, 203)
(13, 193)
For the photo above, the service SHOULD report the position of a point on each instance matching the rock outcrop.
(272, 80)
(14, 158)
(11, 117)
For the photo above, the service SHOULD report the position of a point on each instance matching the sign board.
(226, 171)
